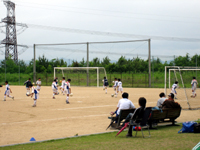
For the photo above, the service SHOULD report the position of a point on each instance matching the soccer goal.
(184, 76)
(82, 76)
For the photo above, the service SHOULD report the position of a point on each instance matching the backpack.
(197, 128)
(187, 127)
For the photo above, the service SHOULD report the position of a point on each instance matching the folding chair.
(142, 123)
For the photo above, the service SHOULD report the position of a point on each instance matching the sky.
(172, 25)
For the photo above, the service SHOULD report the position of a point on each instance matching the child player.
(34, 91)
(38, 83)
(54, 88)
(7, 91)
(115, 86)
(105, 84)
(62, 87)
(194, 86)
(27, 86)
(174, 86)
(67, 90)
(119, 87)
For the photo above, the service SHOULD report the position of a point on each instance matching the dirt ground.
(87, 112)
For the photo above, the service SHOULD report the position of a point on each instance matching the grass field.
(166, 137)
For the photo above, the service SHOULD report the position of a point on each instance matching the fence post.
(46, 78)
(78, 79)
(110, 79)
(132, 79)
(19, 72)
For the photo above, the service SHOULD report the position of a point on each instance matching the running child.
(7, 91)
(173, 90)
(34, 92)
(119, 87)
(105, 84)
(67, 90)
(38, 83)
(27, 85)
(62, 87)
(194, 86)
(115, 86)
(54, 88)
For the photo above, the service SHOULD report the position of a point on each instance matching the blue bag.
(187, 127)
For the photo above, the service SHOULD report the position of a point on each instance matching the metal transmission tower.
(11, 36)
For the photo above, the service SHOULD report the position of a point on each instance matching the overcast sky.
(166, 19)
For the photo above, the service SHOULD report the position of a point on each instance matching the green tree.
(183, 61)
(105, 61)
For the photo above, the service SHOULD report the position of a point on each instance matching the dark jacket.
(170, 104)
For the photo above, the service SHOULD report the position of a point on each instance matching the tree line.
(134, 65)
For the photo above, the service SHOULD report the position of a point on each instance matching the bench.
(167, 113)
(122, 115)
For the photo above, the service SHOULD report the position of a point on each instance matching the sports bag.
(187, 127)
(197, 128)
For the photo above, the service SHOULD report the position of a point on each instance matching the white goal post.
(184, 75)
(81, 68)
(177, 68)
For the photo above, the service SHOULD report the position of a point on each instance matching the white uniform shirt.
(54, 85)
(7, 87)
(63, 84)
(124, 104)
(120, 84)
(34, 90)
(174, 86)
(38, 83)
(194, 83)
(67, 85)
(116, 84)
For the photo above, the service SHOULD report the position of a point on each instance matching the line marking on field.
(85, 107)
(44, 120)
(90, 107)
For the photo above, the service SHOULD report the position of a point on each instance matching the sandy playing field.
(52, 118)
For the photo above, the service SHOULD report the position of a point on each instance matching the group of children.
(65, 88)
(117, 86)
(193, 84)
(32, 91)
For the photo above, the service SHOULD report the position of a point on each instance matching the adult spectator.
(123, 103)
(137, 115)
(161, 99)
(170, 103)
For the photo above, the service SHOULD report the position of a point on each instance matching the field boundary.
(75, 136)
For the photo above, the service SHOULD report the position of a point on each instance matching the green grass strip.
(166, 137)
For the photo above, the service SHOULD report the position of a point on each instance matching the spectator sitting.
(170, 103)
(161, 100)
(123, 103)
(137, 113)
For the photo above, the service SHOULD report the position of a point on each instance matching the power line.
(124, 35)
(107, 15)
(100, 10)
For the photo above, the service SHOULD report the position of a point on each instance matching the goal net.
(81, 76)
(184, 76)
